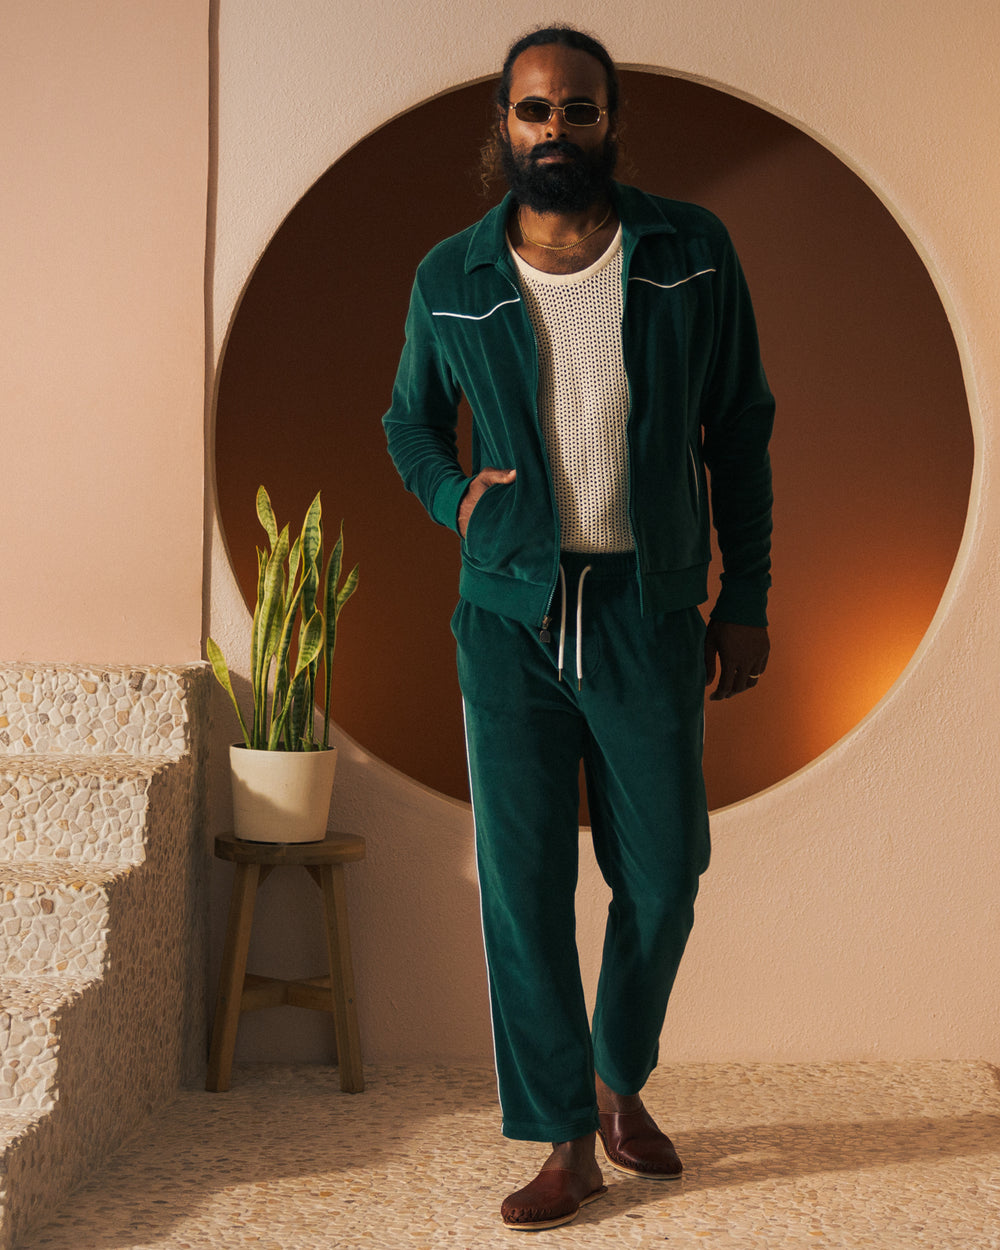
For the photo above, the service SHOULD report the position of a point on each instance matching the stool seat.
(336, 848)
(241, 991)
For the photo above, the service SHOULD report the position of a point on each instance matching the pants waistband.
(602, 564)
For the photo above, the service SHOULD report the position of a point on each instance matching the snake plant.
(297, 597)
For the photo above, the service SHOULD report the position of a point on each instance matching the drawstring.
(579, 624)
(562, 618)
(579, 628)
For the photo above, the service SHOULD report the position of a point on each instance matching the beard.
(583, 180)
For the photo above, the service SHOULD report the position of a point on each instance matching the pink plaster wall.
(104, 110)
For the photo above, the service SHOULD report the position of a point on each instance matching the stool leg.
(345, 1015)
(231, 977)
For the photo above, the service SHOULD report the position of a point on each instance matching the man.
(605, 342)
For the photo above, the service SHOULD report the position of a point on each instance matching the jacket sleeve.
(737, 417)
(420, 426)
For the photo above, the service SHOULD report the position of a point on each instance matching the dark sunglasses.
(537, 112)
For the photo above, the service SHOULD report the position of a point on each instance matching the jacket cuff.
(741, 605)
(447, 497)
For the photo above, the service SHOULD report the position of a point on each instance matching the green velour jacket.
(698, 400)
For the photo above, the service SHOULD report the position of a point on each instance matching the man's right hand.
(478, 487)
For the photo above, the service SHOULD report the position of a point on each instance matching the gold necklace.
(560, 247)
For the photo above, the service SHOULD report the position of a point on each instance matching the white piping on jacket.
(664, 286)
(669, 286)
(470, 317)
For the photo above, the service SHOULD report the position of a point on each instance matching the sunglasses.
(537, 112)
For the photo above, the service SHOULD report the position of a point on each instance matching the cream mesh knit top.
(583, 397)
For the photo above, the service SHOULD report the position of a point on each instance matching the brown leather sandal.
(633, 1144)
(554, 1197)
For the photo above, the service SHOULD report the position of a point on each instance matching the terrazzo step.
(54, 917)
(13, 1124)
(17, 1128)
(43, 1136)
(24, 1169)
(84, 809)
(90, 1055)
(102, 856)
(33, 1011)
(96, 709)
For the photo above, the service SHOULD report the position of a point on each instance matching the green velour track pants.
(628, 702)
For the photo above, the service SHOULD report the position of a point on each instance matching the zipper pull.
(543, 633)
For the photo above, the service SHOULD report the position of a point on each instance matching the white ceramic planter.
(281, 796)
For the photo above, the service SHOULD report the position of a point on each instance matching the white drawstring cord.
(562, 619)
(579, 624)
(579, 629)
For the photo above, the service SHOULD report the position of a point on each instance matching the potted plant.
(282, 773)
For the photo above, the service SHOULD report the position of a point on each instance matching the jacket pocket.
(484, 533)
(694, 481)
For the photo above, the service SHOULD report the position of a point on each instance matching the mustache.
(556, 147)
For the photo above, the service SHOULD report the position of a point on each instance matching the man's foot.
(630, 1138)
(569, 1179)
(633, 1144)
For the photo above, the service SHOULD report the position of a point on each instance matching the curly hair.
(490, 162)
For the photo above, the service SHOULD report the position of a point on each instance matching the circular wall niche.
(872, 449)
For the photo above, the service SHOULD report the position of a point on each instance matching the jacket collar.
(639, 214)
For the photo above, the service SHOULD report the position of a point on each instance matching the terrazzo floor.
(776, 1156)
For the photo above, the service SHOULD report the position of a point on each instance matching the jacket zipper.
(626, 266)
(544, 634)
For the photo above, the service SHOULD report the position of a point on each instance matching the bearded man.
(605, 341)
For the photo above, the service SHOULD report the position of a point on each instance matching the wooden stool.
(241, 991)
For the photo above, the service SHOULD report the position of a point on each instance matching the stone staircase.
(103, 864)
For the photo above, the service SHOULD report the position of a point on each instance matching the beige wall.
(104, 124)
(851, 910)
